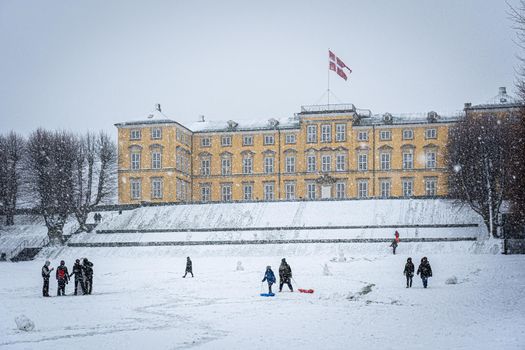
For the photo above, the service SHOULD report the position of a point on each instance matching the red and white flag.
(337, 65)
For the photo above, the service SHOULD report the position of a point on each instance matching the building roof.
(501, 101)
(244, 125)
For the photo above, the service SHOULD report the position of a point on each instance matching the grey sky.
(89, 64)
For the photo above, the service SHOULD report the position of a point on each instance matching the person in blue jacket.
(269, 277)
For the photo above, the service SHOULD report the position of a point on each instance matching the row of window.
(156, 134)
(183, 189)
(326, 163)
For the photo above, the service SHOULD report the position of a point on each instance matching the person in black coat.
(285, 275)
(46, 272)
(189, 267)
(409, 272)
(394, 246)
(87, 270)
(425, 271)
(79, 277)
(62, 276)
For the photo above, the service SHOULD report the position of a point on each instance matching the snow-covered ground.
(140, 300)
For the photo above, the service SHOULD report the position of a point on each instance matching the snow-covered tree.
(51, 165)
(95, 170)
(12, 147)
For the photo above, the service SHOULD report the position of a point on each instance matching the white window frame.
(290, 164)
(385, 160)
(311, 163)
(362, 161)
(340, 162)
(226, 192)
(226, 166)
(247, 191)
(156, 159)
(340, 190)
(136, 158)
(289, 190)
(311, 133)
(385, 135)
(206, 166)
(407, 186)
(156, 188)
(269, 164)
(269, 140)
(385, 186)
(135, 186)
(135, 134)
(431, 186)
(408, 159)
(205, 192)
(362, 136)
(247, 165)
(326, 163)
(340, 132)
(431, 133)
(156, 133)
(226, 141)
(430, 159)
(290, 139)
(311, 190)
(362, 188)
(326, 133)
(408, 134)
(247, 140)
(269, 190)
(206, 141)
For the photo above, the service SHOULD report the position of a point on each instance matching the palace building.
(322, 152)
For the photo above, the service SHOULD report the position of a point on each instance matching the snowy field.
(140, 300)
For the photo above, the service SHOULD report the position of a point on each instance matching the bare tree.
(12, 147)
(50, 163)
(479, 151)
(95, 167)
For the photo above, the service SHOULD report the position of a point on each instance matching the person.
(46, 272)
(396, 235)
(394, 246)
(425, 271)
(409, 272)
(285, 275)
(87, 271)
(189, 267)
(269, 277)
(62, 277)
(79, 277)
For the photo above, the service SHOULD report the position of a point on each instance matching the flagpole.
(328, 90)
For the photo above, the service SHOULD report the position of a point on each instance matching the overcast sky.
(88, 64)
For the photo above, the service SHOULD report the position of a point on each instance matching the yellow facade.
(352, 155)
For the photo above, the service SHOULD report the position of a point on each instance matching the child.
(425, 271)
(269, 277)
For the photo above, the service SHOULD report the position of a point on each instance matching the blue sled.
(267, 294)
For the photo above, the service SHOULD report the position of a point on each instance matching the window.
(362, 188)
(135, 160)
(205, 142)
(247, 140)
(290, 139)
(326, 163)
(182, 160)
(385, 135)
(247, 165)
(362, 162)
(156, 159)
(248, 191)
(226, 192)
(156, 133)
(182, 190)
(340, 162)
(269, 191)
(326, 133)
(311, 190)
(136, 188)
(431, 186)
(430, 159)
(205, 192)
(340, 190)
(182, 137)
(408, 187)
(385, 160)
(226, 166)
(156, 188)
(408, 134)
(340, 132)
(289, 189)
(134, 134)
(408, 159)
(290, 164)
(226, 141)
(269, 162)
(311, 134)
(431, 133)
(311, 163)
(386, 186)
(269, 140)
(205, 166)
(362, 136)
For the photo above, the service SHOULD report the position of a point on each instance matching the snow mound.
(364, 291)
(326, 270)
(23, 323)
(239, 266)
(452, 280)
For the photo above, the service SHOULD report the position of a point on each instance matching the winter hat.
(409, 260)
(47, 263)
(77, 261)
(268, 267)
(62, 262)
(283, 260)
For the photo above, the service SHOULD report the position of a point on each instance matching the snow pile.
(23, 323)
(239, 266)
(326, 270)
(451, 280)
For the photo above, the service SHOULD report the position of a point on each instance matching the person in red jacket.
(62, 276)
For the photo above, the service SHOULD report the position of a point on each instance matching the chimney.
(201, 118)
(502, 90)
(467, 105)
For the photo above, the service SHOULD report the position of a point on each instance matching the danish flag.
(337, 65)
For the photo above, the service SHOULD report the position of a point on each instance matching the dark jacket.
(394, 243)
(87, 268)
(424, 269)
(269, 276)
(62, 273)
(409, 269)
(189, 265)
(77, 271)
(45, 272)
(285, 271)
